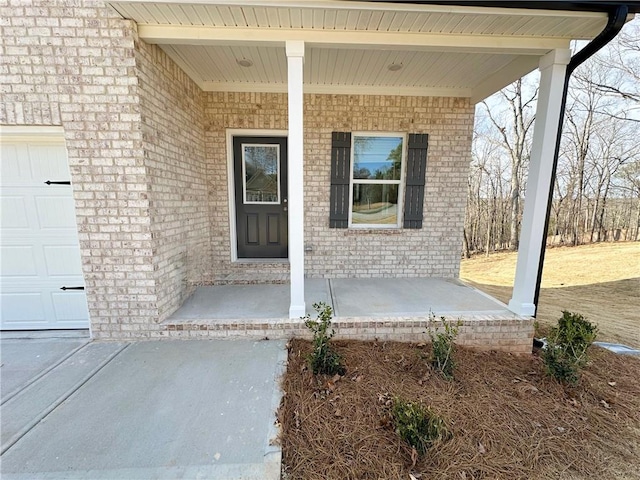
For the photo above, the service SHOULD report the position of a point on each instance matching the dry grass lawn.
(601, 281)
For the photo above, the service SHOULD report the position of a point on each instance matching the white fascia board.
(199, 35)
(337, 89)
(376, 6)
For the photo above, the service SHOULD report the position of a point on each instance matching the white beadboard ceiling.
(443, 50)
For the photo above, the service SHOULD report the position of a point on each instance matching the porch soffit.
(443, 50)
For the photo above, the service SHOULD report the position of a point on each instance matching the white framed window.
(377, 176)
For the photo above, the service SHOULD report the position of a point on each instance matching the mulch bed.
(509, 421)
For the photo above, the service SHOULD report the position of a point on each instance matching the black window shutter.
(340, 179)
(415, 179)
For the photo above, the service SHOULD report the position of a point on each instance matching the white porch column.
(295, 61)
(553, 68)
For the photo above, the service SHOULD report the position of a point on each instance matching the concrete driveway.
(165, 409)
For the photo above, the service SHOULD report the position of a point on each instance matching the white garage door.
(41, 282)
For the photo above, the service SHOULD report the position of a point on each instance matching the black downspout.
(615, 23)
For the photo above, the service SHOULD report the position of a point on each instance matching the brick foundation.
(482, 332)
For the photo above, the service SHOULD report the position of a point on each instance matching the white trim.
(240, 132)
(326, 89)
(375, 6)
(400, 182)
(244, 173)
(556, 57)
(277, 37)
(32, 134)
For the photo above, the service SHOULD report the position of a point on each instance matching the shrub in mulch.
(505, 417)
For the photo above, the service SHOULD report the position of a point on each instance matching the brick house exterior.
(148, 163)
(149, 154)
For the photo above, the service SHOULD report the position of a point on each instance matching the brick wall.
(433, 250)
(72, 64)
(133, 128)
(173, 139)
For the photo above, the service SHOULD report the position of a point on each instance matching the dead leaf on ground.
(611, 384)
(414, 457)
(481, 449)
(527, 389)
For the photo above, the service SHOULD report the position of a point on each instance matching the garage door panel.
(38, 236)
(55, 212)
(29, 284)
(18, 261)
(13, 213)
(18, 308)
(62, 260)
(69, 306)
(48, 161)
(11, 168)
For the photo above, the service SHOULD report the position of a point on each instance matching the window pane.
(377, 158)
(375, 204)
(261, 173)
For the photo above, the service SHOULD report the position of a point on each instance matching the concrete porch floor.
(349, 297)
(380, 308)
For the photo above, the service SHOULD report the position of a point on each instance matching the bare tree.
(622, 60)
(597, 188)
(512, 134)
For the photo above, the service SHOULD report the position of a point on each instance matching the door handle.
(71, 288)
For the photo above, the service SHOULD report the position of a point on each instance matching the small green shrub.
(576, 333)
(418, 425)
(559, 365)
(323, 359)
(567, 344)
(443, 346)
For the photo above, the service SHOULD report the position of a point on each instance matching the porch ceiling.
(442, 50)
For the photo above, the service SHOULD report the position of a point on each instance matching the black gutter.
(615, 23)
(602, 6)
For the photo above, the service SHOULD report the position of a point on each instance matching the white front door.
(41, 281)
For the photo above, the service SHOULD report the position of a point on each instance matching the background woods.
(597, 188)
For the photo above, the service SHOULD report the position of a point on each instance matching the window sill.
(373, 231)
(278, 261)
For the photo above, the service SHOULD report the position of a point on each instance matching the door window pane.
(375, 204)
(261, 173)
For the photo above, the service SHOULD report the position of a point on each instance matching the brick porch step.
(243, 278)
